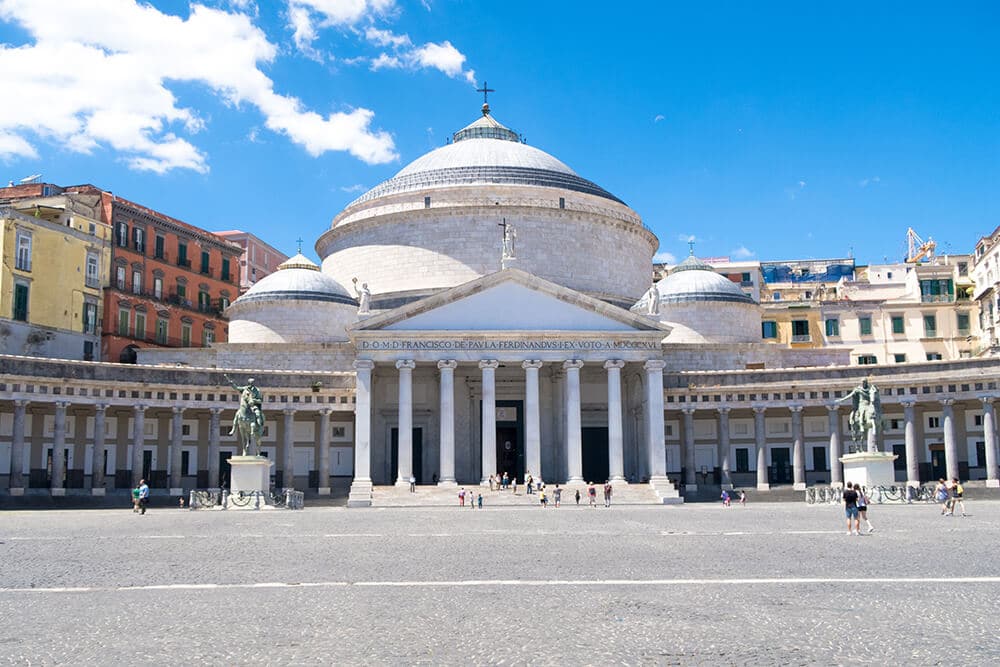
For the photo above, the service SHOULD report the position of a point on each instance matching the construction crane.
(918, 249)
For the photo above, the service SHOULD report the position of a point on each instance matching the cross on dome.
(485, 90)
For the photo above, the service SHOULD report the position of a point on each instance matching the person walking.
(413, 484)
(743, 498)
(592, 494)
(851, 509)
(942, 495)
(607, 493)
(557, 496)
(479, 501)
(143, 496)
(135, 500)
(578, 496)
(957, 493)
(528, 484)
(504, 482)
(492, 480)
(461, 497)
(542, 499)
(863, 508)
(725, 498)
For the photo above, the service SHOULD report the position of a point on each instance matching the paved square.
(765, 584)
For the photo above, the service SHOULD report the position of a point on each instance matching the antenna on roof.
(30, 179)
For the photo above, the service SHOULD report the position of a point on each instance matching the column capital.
(908, 402)
(405, 364)
(139, 407)
(100, 407)
(289, 411)
(215, 410)
(62, 405)
(489, 363)
(616, 364)
(531, 363)
(21, 402)
(572, 364)
(833, 407)
(759, 409)
(795, 409)
(363, 364)
(947, 402)
(688, 410)
(325, 411)
(987, 400)
(654, 365)
(177, 409)
(724, 410)
(447, 364)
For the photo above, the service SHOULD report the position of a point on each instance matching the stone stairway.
(435, 496)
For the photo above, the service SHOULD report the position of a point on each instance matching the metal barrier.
(903, 493)
(221, 499)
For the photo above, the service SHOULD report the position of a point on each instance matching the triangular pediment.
(509, 300)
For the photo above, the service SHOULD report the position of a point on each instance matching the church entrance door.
(510, 440)
(781, 465)
(418, 455)
(595, 454)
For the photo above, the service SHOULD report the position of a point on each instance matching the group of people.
(727, 497)
(140, 497)
(950, 495)
(469, 495)
(503, 482)
(856, 508)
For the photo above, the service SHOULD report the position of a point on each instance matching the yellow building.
(55, 266)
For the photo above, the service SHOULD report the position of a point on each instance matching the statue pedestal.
(869, 469)
(249, 475)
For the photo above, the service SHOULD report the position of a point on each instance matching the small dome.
(694, 280)
(297, 278)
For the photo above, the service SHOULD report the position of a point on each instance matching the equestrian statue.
(866, 416)
(249, 419)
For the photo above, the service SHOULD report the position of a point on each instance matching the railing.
(186, 263)
(222, 499)
(937, 298)
(904, 493)
(801, 338)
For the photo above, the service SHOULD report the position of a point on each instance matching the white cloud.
(687, 238)
(385, 61)
(444, 57)
(357, 187)
(664, 257)
(742, 252)
(116, 93)
(801, 184)
(658, 117)
(865, 182)
(386, 38)
(306, 17)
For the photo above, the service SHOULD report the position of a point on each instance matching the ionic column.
(690, 478)
(404, 441)
(910, 442)
(288, 448)
(361, 486)
(616, 441)
(323, 474)
(17, 449)
(176, 438)
(990, 441)
(97, 464)
(725, 473)
(798, 450)
(138, 440)
(213, 448)
(836, 444)
(532, 420)
(489, 428)
(655, 432)
(760, 441)
(574, 434)
(56, 483)
(950, 444)
(446, 450)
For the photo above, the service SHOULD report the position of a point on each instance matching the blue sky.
(787, 131)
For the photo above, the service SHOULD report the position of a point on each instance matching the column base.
(16, 491)
(799, 486)
(323, 491)
(98, 491)
(448, 483)
(763, 486)
(575, 480)
(57, 492)
(993, 484)
(915, 483)
(618, 480)
(402, 484)
(360, 494)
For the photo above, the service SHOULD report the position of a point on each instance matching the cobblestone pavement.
(764, 584)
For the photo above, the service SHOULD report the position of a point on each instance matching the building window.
(963, 268)
(23, 260)
(819, 459)
(898, 325)
(963, 323)
(769, 329)
(207, 337)
(800, 331)
(185, 335)
(932, 291)
(934, 422)
(933, 356)
(182, 255)
(775, 296)
(745, 279)
(93, 278)
(223, 302)
(204, 262)
(865, 326)
(162, 329)
(562, 202)
(136, 281)
(158, 288)
(21, 302)
(139, 240)
(123, 321)
(122, 236)
(158, 246)
(930, 326)
(899, 358)
(977, 420)
(204, 301)
(867, 360)
(427, 202)
(225, 269)
(833, 327)
(140, 325)
(120, 277)
(88, 350)
(90, 318)
(742, 460)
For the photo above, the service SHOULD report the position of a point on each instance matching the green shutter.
(21, 302)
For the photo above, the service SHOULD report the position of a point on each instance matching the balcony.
(184, 263)
(152, 339)
(213, 308)
(936, 298)
(801, 338)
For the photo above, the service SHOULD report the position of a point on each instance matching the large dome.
(694, 280)
(300, 279)
(484, 152)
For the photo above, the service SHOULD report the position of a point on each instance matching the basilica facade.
(487, 311)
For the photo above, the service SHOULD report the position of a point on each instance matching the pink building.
(258, 259)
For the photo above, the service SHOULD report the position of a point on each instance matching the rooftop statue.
(364, 297)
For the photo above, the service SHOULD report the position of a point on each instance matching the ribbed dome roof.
(484, 152)
(694, 280)
(297, 278)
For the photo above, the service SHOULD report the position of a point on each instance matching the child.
(725, 498)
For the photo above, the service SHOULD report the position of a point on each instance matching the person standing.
(413, 484)
(942, 495)
(479, 501)
(528, 484)
(578, 496)
(743, 498)
(851, 509)
(957, 494)
(607, 493)
(143, 496)
(461, 497)
(504, 482)
(592, 494)
(863, 508)
(557, 496)
(542, 499)
(135, 500)
(725, 498)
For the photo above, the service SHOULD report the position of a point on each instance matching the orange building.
(170, 282)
